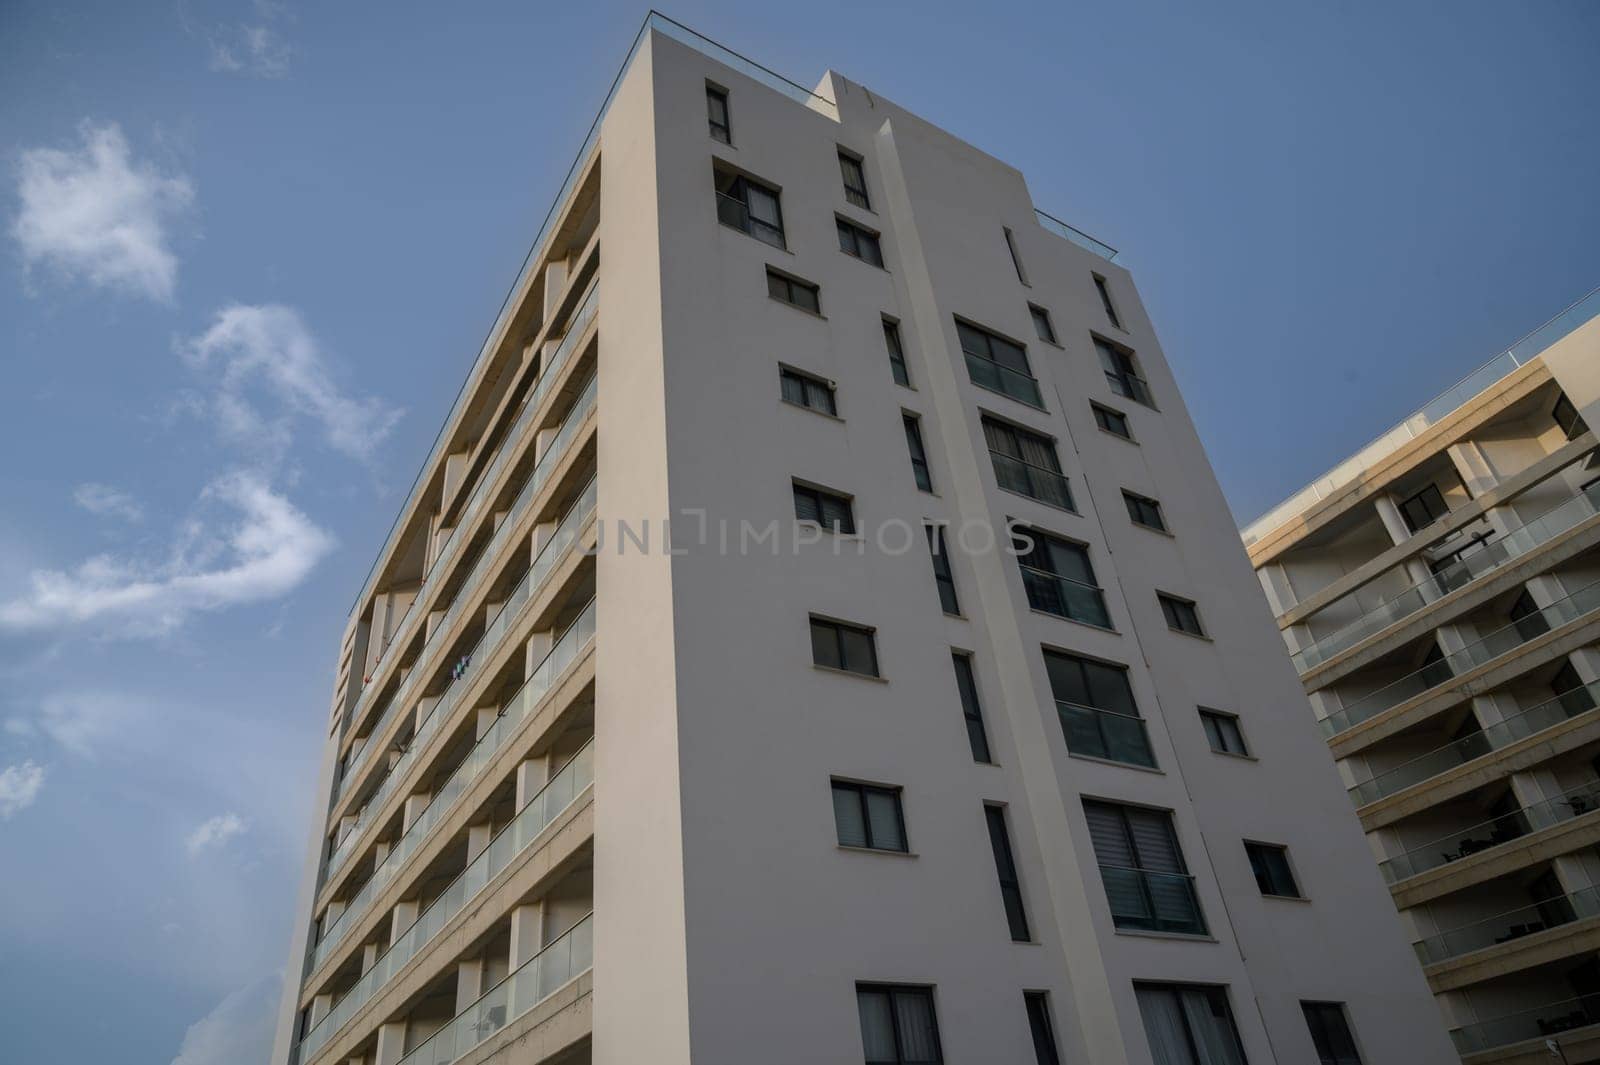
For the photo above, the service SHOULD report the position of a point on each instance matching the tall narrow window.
(1105, 301)
(868, 816)
(717, 113)
(1059, 580)
(805, 390)
(1098, 714)
(793, 291)
(897, 353)
(1122, 373)
(1142, 510)
(998, 364)
(971, 709)
(1016, 260)
(747, 205)
(855, 181)
(898, 1025)
(1147, 884)
(1181, 614)
(859, 243)
(1330, 1033)
(838, 645)
(1037, 1004)
(1006, 868)
(1025, 462)
(943, 575)
(919, 454)
(1270, 864)
(1041, 324)
(822, 507)
(1189, 1024)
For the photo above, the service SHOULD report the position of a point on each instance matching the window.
(827, 509)
(1059, 580)
(1189, 1024)
(1025, 463)
(858, 242)
(855, 180)
(1037, 1004)
(897, 353)
(898, 1025)
(919, 455)
(1112, 421)
(1016, 260)
(1567, 417)
(1270, 863)
(837, 645)
(942, 574)
(1121, 372)
(1424, 508)
(1525, 615)
(1098, 715)
(1147, 884)
(1041, 324)
(748, 206)
(1105, 301)
(1006, 868)
(1143, 510)
(1223, 732)
(1181, 614)
(793, 291)
(804, 390)
(1330, 1033)
(998, 364)
(971, 709)
(717, 113)
(869, 816)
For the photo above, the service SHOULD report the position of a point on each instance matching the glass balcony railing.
(1131, 387)
(1147, 901)
(1538, 1023)
(530, 404)
(1105, 734)
(516, 837)
(1459, 752)
(403, 699)
(986, 373)
(735, 213)
(1490, 834)
(1065, 597)
(1036, 482)
(1473, 655)
(569, 956)
(1485, 559)
(1076, 235)
(1509, 926)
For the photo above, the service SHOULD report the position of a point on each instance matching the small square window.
(1330, 1033)
(838, 645)
(897, 353)
(822, 507)
(1270, 864)
(1112, 421)
(717, 114)
(1041, 324)
(805, 390)
(1143, 510)
(1181, 614)
(1223, 732)
(869, 816)
(855, 181)
(1424, 508)
(793, 291)
(748, 205)
(859, 243)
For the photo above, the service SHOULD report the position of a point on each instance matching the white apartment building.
(794, 786)
(1440, 594)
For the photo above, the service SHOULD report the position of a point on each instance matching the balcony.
(1541, 1022)
(1509, 926)
(1065, 597)
(1490, 834)
(1106, 734)
(735, 213)
(1146, 901)
(988, 374)
(1497, 643)
(1498, 735)
(1036, 482)
(1469, 567)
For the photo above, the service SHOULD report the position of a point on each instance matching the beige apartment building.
(831, 771)
(1440, 595)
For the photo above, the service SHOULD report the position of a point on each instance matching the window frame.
(1016, 256)
(894, 343)
(839, 628)
(856, 196)
(1124, 375)
(1104, 414)
(860, 238)
(1005, 869)
(773, 233)
(1418, 498)
(917, 448)
(807, 378)
(966, 670)
(1211, 991)
(891, 991)
(1269, 877)
(1210, 716)
(1142, 508)
(823, 496)
(1573, 425)
(1043, 327)
(1141, 863)
(1084, 665)
(1173, 608)
(718, 93)
(1036, 1004)
(791, 285)
(944, 576)
(1031, 388)
(861, 789)
(1017, 436)
(1044, 536)
(1327, 1055)
(1107, 304)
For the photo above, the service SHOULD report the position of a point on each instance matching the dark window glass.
(1039, 1026)
(943, 576)
(1424, 508)
(1059, 580)
(1122, 374)
(1144, 511)
(855, 181)
(1189, 1025)
(1567, 417)
(1041, 324)
(801, 294)
(1006, 868)
(898, 1025)
(840, 646)
(1330, 1033)
(1223, 732)
(858, 242)
(897, 353)
(971, 709)
(1575, 696)
(1026, 463)
(749, 206)
(1016, 260)
(998, 364)
(868, 816)
(1105, 301)
(806, 391)
(1098, 714)
(919, 455)
(717, 113)
(1270, 864)
(828, 509)
(1112, 421)
(1525, 615)
(1147, 884)
(1181, 614)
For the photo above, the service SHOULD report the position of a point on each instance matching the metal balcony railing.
(735, 213)
(1076, 235)
(1036, 482)
(1537, 1023)
(986, 373)
(1106, 734)
(1064, 597)
(1511, 925)
(1147, 901)
(1487, 835)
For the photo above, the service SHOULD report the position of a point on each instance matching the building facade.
(1440, 595)
(944, 724)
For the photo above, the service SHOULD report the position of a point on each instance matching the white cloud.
(19, 786)
(263, 553)
(81, 722)
(214, 832)
(108, 502)
(238, 1032)
(271, 344)
(258, 51)
(96, 213)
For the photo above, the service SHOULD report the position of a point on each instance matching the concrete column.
(415, 804)
(455, 466)
(1417, 571)
(391, 1043)
(527, 933)
(1472, 466)
(403, 917)
(487, 715)
(1546, 588)
(319, 1008)
(346, 824)
(369, 957)
(541, 441)
(542, 534)
(555, 284)
(469, 982)
(531, 776)
(538, 646)
(478, 837)
(425, 707)
(335, 910)
(381, 852)
(1586, 663)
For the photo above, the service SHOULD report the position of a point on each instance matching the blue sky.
(250, 248)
